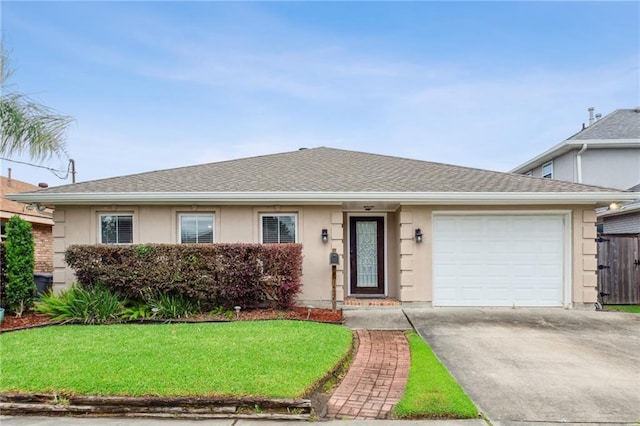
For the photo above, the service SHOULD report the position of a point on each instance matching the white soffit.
(427, 198)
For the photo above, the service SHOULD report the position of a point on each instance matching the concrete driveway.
(540, 365)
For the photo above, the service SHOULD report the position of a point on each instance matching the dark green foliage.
(135, 311)
(3, 277)
(172, 306)
(212, 274)
(89, 305)
(20, 287)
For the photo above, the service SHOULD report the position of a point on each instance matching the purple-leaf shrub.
(215, 274)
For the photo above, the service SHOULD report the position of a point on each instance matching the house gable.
(613, 142)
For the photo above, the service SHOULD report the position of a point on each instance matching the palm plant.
(27, 126)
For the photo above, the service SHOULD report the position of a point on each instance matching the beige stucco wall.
(409, 264)
(416, 259)
(233, 224)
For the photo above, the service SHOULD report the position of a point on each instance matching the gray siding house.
(604, 153)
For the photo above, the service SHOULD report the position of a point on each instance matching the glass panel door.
(366, 258)
(367, 253)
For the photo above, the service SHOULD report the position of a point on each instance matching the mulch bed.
(32, 319)
(27, 320)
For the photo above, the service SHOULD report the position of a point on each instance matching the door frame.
(386, 253)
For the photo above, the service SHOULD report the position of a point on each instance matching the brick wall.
(43, 238)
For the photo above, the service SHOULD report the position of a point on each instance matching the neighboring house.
(622, 220)
(606, 153)
(416, 231)
(41, 222)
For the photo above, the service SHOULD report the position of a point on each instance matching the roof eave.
(625, 209)
(570, 144)
(324, 198)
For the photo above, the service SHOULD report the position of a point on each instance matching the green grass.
(279, 359)
(431, 392)
(635, 309)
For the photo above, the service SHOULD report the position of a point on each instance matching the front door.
(367, 255)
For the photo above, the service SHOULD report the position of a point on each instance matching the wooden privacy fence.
(619, 268)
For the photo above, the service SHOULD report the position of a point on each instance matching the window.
(547, 170)
(116, 228)
(279, 228)
(196, 228)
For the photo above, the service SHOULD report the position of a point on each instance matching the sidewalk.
(77, 421)
(387, 318)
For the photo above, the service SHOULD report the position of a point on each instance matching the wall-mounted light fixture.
(418, 235)
(614, 206)
(325, 235)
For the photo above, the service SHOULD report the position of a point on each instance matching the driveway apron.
(540, 365)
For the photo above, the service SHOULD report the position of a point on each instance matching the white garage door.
(498, 260)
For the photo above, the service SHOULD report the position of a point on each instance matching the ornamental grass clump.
(172, 306)
(94, 305)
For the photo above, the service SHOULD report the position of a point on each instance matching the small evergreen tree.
(3, 277)
(19, 251)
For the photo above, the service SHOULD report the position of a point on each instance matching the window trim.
(550, 174)
(133, 226)
(213, 226)
(296, 217)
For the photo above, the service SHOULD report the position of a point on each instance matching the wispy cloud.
(242, 80)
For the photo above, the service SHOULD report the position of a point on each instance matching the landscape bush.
(94, 305)
(3, 277)
(248, 275)
(172, 306)
(19, 252)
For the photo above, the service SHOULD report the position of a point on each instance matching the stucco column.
(407, 289)
(59, 247)
(337, 243)
(587, 276)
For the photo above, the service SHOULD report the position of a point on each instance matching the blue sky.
(155, 85)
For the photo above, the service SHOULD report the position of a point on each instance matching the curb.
(155, 407)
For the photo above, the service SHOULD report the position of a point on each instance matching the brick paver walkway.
(375, 382)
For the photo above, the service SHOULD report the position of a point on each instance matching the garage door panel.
(501, 260)
(497, 294)
(472, 293)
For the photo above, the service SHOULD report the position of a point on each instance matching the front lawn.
(431, 392)
(635, 309)
(278, 359)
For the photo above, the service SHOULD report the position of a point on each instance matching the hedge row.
(228, 275)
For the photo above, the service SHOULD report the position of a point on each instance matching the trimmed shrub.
(213, 274)
(21, 286)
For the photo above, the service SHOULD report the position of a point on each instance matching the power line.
(52, 170)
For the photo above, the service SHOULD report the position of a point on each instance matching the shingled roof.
(311, 174)
(620, 129)
(10, 208)
(620, 124)
(323, 169)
